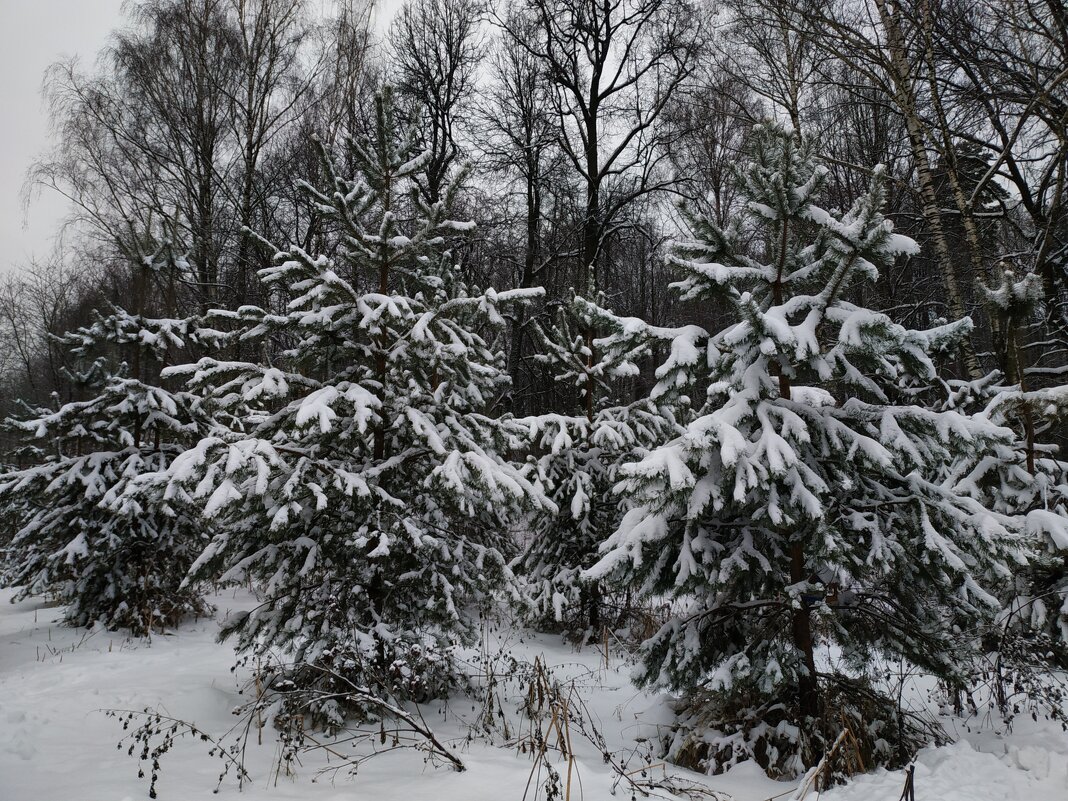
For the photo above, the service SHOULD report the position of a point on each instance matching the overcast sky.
(34, 34)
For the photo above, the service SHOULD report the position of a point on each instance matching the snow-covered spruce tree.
(358, 480)
(798, 523)
(12, 512)
(108, 554)
(578, 458)
(1026, 478)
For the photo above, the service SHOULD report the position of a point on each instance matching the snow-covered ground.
(57, 743)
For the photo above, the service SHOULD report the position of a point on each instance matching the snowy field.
(56, 742)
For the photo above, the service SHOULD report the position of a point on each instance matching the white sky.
(33, 35)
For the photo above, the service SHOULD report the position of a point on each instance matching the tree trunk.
(380, 356)
(905, 100)
(808, 692)
(530, 262)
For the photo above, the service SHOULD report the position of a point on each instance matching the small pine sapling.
(1028, 642)
(578, 458)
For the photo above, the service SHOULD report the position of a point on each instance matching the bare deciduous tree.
(436, 45)
(615, 66)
